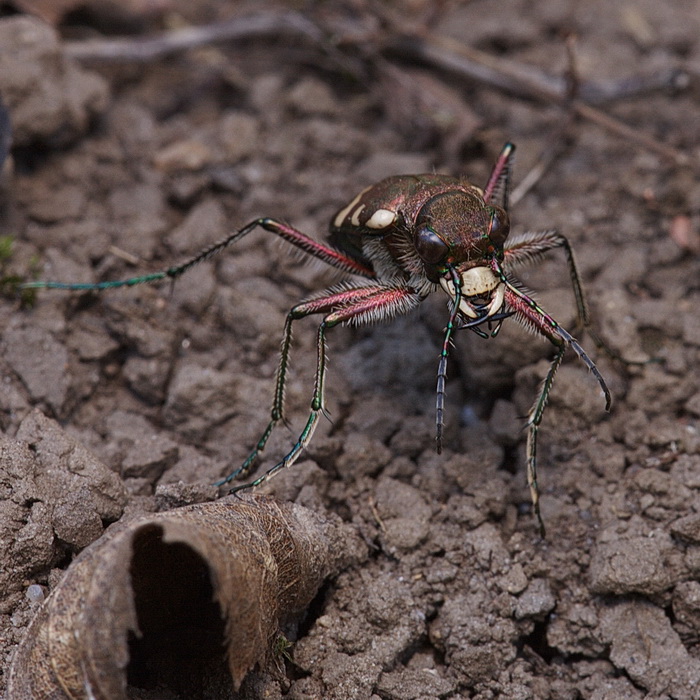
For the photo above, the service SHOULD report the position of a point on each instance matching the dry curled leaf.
(190, 600)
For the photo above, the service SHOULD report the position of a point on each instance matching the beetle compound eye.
(500, 226)
(430, 246)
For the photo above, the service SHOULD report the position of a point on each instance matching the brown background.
(456, 595)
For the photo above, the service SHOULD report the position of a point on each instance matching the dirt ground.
(454, 594)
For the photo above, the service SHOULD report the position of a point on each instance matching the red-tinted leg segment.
(529, 247)
(329, 255)
(532, 315)
(499, 181)
(333, 257)
(360, 305)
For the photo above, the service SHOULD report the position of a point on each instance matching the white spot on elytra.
(343, 213)
(355, 218)
(381, 219)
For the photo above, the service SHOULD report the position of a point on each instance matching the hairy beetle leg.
(360, 305)
(531, 314)
(530, 247)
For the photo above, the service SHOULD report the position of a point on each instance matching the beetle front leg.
(528, 312)
(442, 365)
(533, 423)
(530, 247)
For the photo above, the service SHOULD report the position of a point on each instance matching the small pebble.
(35, 593)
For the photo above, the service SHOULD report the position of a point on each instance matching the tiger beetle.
(404, 238)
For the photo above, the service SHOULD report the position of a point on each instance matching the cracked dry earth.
(452, 593)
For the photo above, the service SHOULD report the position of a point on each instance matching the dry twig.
(531, 83)
(143, 50)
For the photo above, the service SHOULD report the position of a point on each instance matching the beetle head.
(458, 229)
(457, 236)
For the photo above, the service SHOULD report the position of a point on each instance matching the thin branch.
(528, 81)
(143, 50)
(615, 126)
(507, 75)
(525, 81)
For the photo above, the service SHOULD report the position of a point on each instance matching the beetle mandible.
(404, 238)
